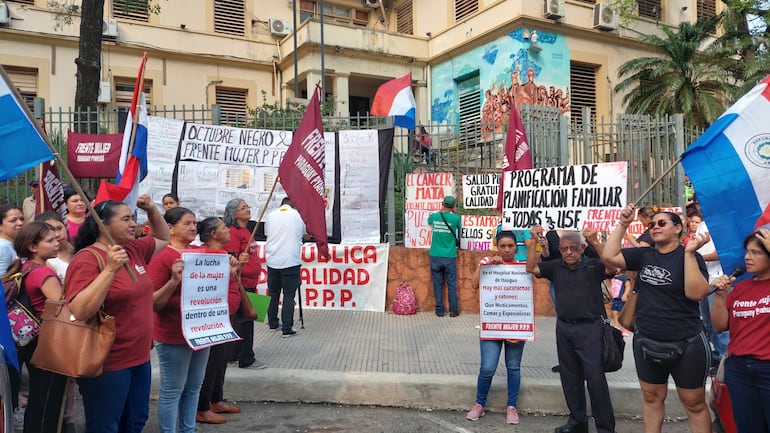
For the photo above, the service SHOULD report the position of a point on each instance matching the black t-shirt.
(578, 291)
(663, 312)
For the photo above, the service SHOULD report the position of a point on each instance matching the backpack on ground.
(405, 301)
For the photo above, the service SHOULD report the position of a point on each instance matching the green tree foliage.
(690, 76)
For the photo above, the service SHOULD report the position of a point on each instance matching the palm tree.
(690, 76)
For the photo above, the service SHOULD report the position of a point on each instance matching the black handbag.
(614, 346)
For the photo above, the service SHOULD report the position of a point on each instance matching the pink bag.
(405, 302)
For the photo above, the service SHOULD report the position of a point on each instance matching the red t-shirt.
(128, 301)
(168, 321)
(32, 284)
(239, 237)
(748, 309)
(233, 291)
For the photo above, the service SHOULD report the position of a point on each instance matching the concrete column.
(313, 78)
(341, 95)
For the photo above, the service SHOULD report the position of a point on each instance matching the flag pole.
(138, 87)
(656, 182)
(40, 204)
(261, 214)
(75, 184)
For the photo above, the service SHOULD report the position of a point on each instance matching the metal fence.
(649, 144)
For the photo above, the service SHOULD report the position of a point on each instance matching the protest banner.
(358, 160)
(354, 277)
(417, 232)
(205, 314)
(477, 231)
(93, 155)
(480, 191)
(571, 197)
(426, 191)
(506, 303)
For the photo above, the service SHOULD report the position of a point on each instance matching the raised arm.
(531, 243)
(696, 286)
(611, 255)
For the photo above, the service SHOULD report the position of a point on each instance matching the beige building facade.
(243, 53)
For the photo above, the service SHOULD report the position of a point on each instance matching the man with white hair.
(577, 281)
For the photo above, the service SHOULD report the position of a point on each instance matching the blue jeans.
(490, 355)
(720, 340)
(117, 401)
(181, 375)
(286, 280)
(748, 381)
(444, 269)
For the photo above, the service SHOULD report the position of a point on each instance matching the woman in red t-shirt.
(215, 236)
(181, 368)
(746, 313)
(97, 277)
(237, 216)
(35, 243)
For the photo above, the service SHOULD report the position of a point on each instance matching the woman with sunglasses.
(747, 368)
(669, 338)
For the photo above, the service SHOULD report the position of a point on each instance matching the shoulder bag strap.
(454, 232)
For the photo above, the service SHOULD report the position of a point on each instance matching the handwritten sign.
(570, 197)
(480, 191)
(507, 309)
(359, 187)
(205, 315)
(477, 231)
(426, 191)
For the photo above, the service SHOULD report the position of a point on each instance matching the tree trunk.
(88, 75)
(89, 64)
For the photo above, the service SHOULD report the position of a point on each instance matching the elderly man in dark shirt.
(579, 326)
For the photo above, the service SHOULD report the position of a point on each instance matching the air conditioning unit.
(554, 9)
(105, 92)
(372, 3)
(109, 28)
(279, 27)
(605, 17)
(5, 14)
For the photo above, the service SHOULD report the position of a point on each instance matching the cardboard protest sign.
(205, 315)
(426, 191)
(507, 307)
(477, 231)
(570, 197)
(480, 191)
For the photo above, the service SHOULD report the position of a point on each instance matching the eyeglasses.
(661, 223)
(245, 207)
(573, 248)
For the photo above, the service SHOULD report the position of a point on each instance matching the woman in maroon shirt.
(181, 368)
(745, 312)
(35, 243)
(97, 278)
(215, 235)
(237, 216)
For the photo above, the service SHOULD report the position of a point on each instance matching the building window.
(469, 109)
(232, 102)
(404, 20)
(649, 9)
(130, 9)
(583, 92)
(707, 9)
(465, 8)
(124, 94)
(333, 13)
(587, 1)
(229, 17)
(25, 80)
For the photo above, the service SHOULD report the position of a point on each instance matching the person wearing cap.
(443, 255)
(29, 203)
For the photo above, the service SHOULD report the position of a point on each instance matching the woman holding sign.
(181, 368)
(119, 399)
(215, 235)
(490, 349)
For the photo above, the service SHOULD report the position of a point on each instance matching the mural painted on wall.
(508, 75)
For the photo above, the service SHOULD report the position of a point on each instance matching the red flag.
(302, 173)
(517, 153)
(49, 194)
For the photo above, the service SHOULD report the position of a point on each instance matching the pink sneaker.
(511, 416)
(475, 413)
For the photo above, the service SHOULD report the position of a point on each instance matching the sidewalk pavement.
(421, 361)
